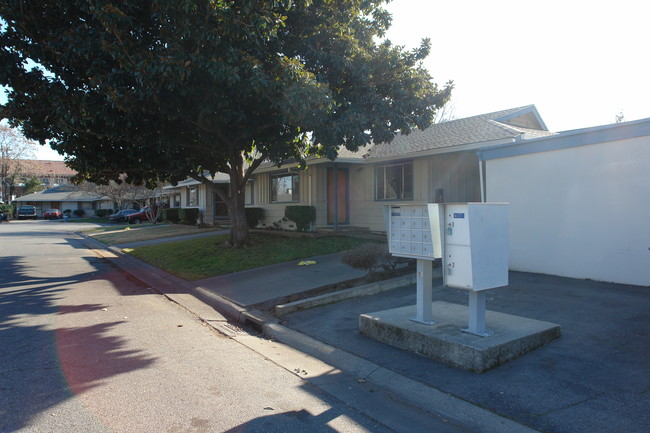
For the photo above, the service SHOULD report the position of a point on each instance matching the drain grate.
(234, 328)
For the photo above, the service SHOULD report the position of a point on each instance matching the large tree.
(170, 89)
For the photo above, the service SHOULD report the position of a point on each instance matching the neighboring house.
(439, 164)
(579, 202)
(65, 197)
(50, 173)
(192, 194)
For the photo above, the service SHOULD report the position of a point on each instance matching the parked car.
(52, 214)
(138, 217)
(26, 211)
(122, 216)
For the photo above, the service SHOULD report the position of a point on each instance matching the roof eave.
(567, 139)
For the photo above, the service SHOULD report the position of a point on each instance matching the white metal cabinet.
(475, 243)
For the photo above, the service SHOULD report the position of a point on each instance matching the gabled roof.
(500, 126)
(63, 193)
(217, 178)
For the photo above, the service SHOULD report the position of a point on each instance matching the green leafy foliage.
(165, 90)
(33, 184)
(103, 213)
(171, 215)
(303, 216)
(254, 215)
(6, 208)
(188, 216)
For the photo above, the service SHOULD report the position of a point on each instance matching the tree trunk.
(238, 223)
(236, 203)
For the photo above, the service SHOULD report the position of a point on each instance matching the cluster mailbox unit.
(470, 238)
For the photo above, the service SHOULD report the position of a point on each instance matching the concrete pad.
(444, 341)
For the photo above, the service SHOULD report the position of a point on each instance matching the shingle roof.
(475, 130)
(39, 168)
(484, 128)
(63, 193)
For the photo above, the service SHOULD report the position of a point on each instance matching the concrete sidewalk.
(595, 378)
(266, 283)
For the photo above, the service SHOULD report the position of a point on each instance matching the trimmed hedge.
(79, 212)
(254, 215)
(171, 215)
(189, 216)
(301, 215)
(103, 213)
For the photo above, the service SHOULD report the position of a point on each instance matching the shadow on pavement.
(42, 365)
(595, 377)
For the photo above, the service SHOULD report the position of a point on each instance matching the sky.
(580, 62)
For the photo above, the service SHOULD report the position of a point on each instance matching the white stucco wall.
(581, 212)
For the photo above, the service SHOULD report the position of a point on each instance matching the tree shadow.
(41, 365)
(295, 420)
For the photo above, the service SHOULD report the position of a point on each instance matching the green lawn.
(205, 257)
(124, 233)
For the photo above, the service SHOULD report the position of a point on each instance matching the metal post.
(424, 308)
(476, 315)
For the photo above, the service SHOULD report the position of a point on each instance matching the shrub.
(103, 213)
(189, 216)
(7, 210)
(79, 212)
(171, 215)
(254, 215)
(370, 258)
(301, 215)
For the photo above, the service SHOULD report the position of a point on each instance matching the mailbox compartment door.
(456, 225)
(458, 266)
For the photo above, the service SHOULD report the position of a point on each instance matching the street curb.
(416, 393)
(340, 295)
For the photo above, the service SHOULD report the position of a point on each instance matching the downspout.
(480, 175)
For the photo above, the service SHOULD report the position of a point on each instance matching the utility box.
(409, 232)
(474, 240)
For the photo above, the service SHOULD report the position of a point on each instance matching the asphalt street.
(87, 348)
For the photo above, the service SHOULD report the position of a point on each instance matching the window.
(193, 196)
(394, 181)
(285, 187)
